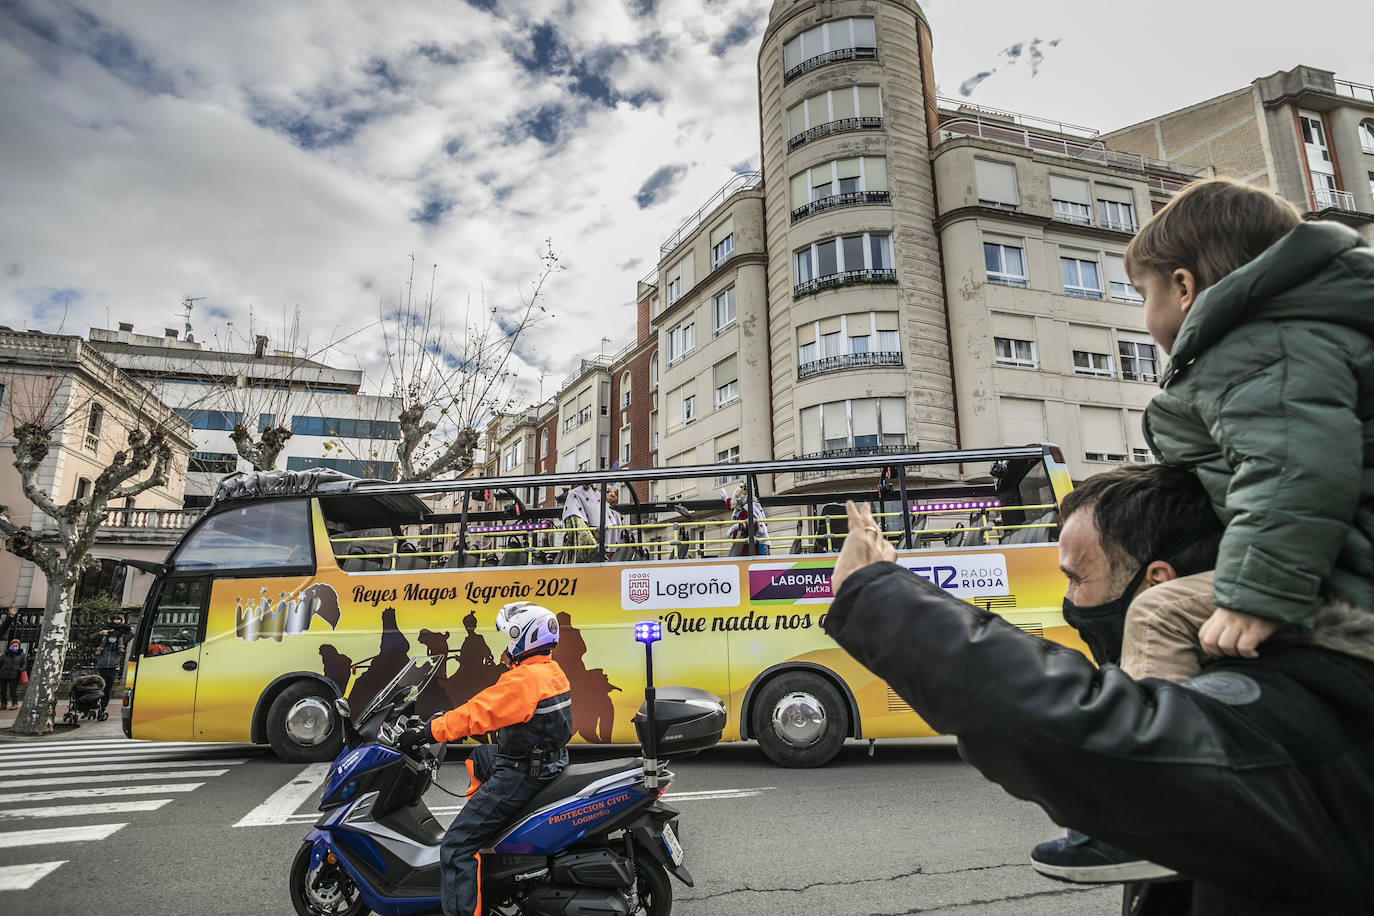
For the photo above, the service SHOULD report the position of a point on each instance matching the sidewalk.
(61, 731)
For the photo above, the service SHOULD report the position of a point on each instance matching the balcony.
(849, 361)
(835, 201)
(161, 527)
(834, 127)
(1357, 91)
(1331, 199)
(829, 57)
(1119, 225)
(844, 278)
(853, 451)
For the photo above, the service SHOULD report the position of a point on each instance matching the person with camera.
(109, 655)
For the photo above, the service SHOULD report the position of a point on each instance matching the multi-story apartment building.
(1303, 134)
(584, 409)
(332, 424)
(1047, 332)
(635, 373)
(92, 406)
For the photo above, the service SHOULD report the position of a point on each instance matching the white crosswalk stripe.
(105, 780)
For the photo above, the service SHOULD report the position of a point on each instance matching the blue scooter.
(596, 840)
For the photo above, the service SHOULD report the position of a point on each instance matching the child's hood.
(1321, 271)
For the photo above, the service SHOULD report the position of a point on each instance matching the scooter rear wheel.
(651, 884)
(326, 891)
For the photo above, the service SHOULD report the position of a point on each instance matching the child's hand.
(1234, 633)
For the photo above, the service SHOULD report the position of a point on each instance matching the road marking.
(23, 877)
(713, 794)
(108, 759)
(106, 777)
(105, 768)
(280, 805)
(144, 804)
(83, 834)
(98, 792)
(9, 749)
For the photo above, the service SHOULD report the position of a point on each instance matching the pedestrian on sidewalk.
(12, 664)
(9, 622)
(109, 658)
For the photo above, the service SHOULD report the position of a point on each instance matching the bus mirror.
(341, 707)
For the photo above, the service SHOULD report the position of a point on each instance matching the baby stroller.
(88, 689)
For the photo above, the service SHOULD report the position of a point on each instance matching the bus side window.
(264, 535)
(178, 616)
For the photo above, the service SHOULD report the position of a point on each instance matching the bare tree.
(61, 544)
(449, 381)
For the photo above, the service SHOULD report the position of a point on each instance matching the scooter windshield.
(407, 683)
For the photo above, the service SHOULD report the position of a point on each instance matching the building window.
(1006, 264)
(212, 462)
(674, 290)
(842, 39)
(1138, 360)
(723, 311)
(653, 431)
(624, 446)
(839, 183)
(681, 342)
(1119, 283)
(369, 470)
(342, 427)
(543, 445)
(83, 487)
(512, 458)
(1009, 351)
(95, 418)
(728, 456)
(1114, 214)
(843, 261)
(1143, 456)
(625, 390)
(1085, 362)
(1080, 278)
(1072, 200)
(722, 250)
(689, 409)
(1366, 130)
(996, 184)
(223, 420)
(653, 307)
(584, 455)
(725, 381)
(833, 111)
(653, 372)
(860, 426)
(1114, 457)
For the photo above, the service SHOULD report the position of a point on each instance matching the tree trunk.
(40, 699)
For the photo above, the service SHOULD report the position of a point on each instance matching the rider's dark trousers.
(504, 791)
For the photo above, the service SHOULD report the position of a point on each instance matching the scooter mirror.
(342, 708)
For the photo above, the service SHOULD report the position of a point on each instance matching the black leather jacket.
(1255, 777)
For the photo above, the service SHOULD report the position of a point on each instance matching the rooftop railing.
(1016, 118)
(1088, 151)
(596, 362)
(1358, 91)
(741, 181)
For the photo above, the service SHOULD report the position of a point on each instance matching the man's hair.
(1148, 512)
(1210, 228)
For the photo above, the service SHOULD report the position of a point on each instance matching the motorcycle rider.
(530, 709)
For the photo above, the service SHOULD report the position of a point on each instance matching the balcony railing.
(853, 451)
(844, 278)
(834, 127)
(1087, 150)
(1119, 225)
(847, 199)
(1331, 199)
(1355, 90)
(849, 361)
(155, 519)
(741, 181)
(830, 57)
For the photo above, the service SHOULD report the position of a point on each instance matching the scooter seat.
(574, 779)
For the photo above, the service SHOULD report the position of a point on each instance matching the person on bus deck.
(530, 709)
(1269, 400)
(1255, 778)
(581, 516)
(741, 505)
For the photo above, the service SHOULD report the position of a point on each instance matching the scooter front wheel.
(323, 891)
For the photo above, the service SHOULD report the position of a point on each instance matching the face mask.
(1103, 626)
(14, 648)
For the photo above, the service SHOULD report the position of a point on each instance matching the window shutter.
(726, 442)
(875, 173)
(830, 325)
(864, 33)
(842, 102)
(835, 421)
(720, 232)
(806, 333)
(870, 105)
(1116, 269)
(801, 189)
(865, 413)
(724, 372)
(886, 321)
(1090, 339)
(817, 110)
(1023, 421)
(1018, 327)
(847, 168)
(796, 119)
(996, 181)
(810, 421)
(893, 414)
(1074, 190)
(1102, 431)
(1135, 435)
(1112, 192)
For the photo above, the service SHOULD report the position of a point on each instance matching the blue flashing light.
(648, 631)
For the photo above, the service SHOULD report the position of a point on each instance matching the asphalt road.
(212, 830)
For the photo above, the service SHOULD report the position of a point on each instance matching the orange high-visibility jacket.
(534, 691)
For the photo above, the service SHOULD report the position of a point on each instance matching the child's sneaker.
(1079, 858)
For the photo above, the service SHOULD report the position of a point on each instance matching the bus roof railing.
(738, 469)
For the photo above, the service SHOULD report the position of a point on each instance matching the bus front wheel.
(800, 720)
(302, 725)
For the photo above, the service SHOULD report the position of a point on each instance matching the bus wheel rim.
(799, 719)
(308, 721)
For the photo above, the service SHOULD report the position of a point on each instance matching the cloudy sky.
(269, 156)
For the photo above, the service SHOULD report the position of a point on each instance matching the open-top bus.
(295, 588)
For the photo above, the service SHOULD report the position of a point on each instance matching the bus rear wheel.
(800, 720)
(302, 725)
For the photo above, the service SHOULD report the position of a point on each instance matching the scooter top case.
(688, 721)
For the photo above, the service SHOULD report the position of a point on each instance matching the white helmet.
(528, 626)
